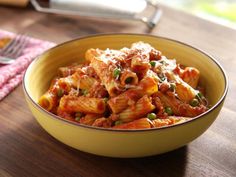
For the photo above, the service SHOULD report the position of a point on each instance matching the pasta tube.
(184, 91)
(139, 66)
(136, 124)
(82, 104)
(69, 70)
(168, 121)
(191, 76)
(102, 122)
(89, 119)
(140, 109)
(64, 114)
(179, 108)
(104, 72)
(65, 83)
(82, 82)
(91, 53)
(128, 77)
(147, 86)
(48, 101)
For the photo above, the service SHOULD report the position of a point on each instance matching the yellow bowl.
(123, 143)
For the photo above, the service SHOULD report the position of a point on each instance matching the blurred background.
(219, 11)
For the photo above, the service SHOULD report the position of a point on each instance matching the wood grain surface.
(27, 150)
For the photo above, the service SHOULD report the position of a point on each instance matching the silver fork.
(13, 49)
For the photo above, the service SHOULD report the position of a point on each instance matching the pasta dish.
(130, 88)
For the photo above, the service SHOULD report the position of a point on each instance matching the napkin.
(11, 75)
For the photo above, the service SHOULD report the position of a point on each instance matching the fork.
(13, 49)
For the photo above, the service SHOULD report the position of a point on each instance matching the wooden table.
(27, 150)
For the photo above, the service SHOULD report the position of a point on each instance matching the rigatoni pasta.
(147, 86)
(130, 88)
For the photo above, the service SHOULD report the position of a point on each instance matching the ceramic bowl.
(123, 143)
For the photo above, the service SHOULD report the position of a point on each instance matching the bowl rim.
(53, 116)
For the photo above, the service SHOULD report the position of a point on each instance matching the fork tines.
(14, 47)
